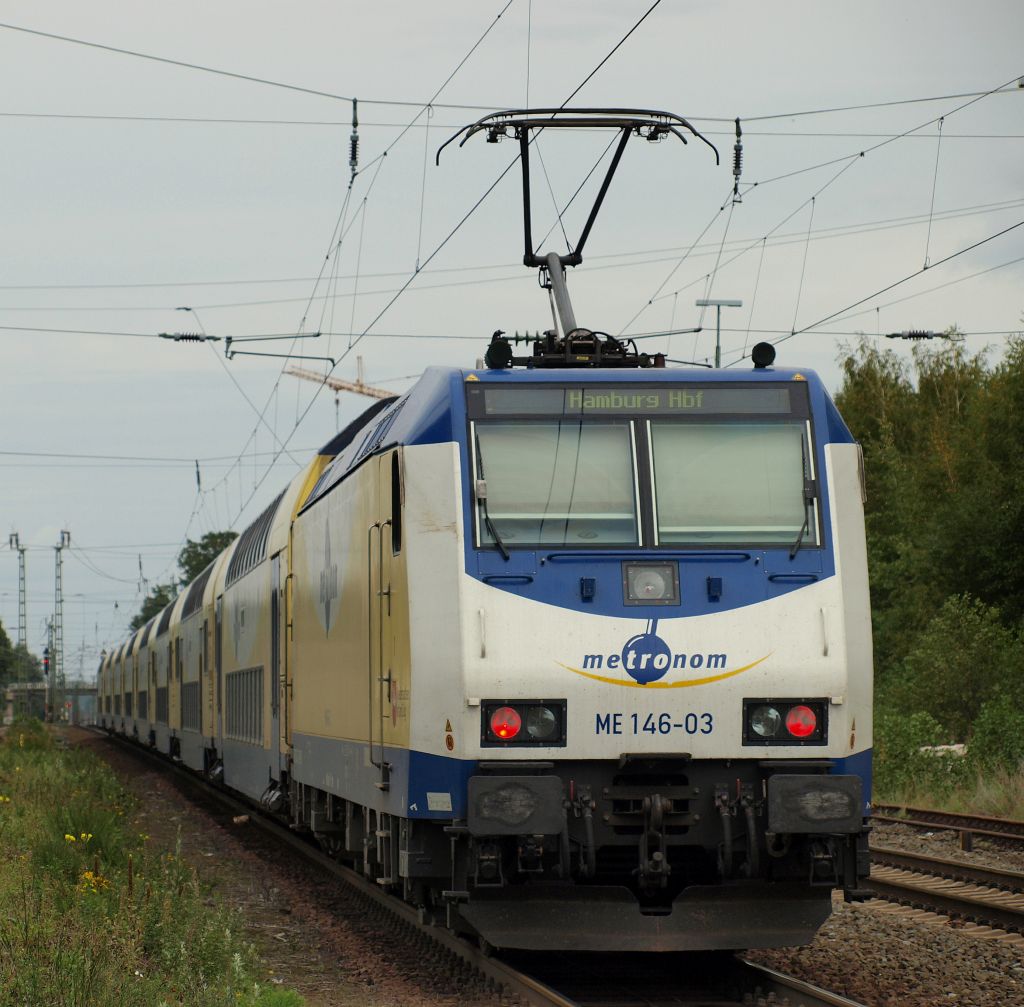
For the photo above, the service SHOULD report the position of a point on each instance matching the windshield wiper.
(806, 526)
(481, 495)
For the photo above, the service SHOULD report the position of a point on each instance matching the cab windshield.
(557, 483)
(728, 483)
(654, 465)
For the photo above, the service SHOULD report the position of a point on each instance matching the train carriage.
(104, 692)
(144, 683)
(571, 650)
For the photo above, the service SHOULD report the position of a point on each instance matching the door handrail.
(378, 670)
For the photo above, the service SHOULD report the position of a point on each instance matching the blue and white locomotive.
(571, 649)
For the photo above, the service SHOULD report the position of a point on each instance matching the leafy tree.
(879, 403)
(197, 556)
(8, 671)
(192, 560)
(159, 597)
(943, 442)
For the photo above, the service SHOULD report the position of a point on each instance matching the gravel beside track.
(888, 956)
(322, 942)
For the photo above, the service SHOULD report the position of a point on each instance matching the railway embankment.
(313, 938)
(96, 910)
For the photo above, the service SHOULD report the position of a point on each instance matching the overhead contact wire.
(803, 267)
(443, 243)
(893, 285)
(931, 207)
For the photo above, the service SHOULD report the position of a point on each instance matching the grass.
(999, 793)
(89, 912)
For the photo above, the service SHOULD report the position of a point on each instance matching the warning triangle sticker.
(448, 726)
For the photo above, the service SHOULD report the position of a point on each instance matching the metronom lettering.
(633, 661)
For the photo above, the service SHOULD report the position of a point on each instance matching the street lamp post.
(718, 305)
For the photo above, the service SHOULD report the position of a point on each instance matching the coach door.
(276, 641)
(380, 546)
(218, 663)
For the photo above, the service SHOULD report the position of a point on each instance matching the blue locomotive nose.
(646, 658)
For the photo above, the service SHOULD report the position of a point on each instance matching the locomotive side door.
(276, 641)
(381, 624)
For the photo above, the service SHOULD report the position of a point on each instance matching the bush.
(964, 658)
(997, 738)
(905, 764)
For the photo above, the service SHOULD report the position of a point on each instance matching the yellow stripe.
(666, 685)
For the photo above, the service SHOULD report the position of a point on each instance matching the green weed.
(92, 915)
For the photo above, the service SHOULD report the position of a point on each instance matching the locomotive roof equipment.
(574, 346)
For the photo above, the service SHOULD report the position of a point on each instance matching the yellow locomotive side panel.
(350, 614)
(279, 544)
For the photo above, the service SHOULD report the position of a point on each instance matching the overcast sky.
(130, 188)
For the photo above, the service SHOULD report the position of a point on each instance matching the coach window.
(732, 483)
(396, 504)
(556, 483)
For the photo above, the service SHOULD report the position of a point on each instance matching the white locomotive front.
(611, 682)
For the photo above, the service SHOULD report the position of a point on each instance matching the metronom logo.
(646, 658)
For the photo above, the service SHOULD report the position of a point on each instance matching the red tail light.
(505, 723)
(801, 721)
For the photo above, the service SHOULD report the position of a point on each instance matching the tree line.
(943, 439)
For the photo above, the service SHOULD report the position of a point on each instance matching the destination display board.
(635, 400)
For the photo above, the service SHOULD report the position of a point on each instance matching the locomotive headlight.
(541, 723)
(650, 583)
(771, 721)
(523, 723)
(801, 721)
(765, 721)
(505, 723)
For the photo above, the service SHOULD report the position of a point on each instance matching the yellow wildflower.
(4, 800)
(92, 882)
(68, 838)
(86, 836)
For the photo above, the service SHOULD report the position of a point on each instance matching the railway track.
(984, 895)
(967, 825)
(718, 980)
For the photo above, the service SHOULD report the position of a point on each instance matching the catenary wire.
(435, 252)
(892, 286)
(837, 231)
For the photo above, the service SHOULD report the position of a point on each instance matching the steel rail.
(752, 979)
(988, 906)
(531, 991)
(957, 870)
(795, 992)
(979, 825)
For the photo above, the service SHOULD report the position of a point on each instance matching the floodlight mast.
(650, 124)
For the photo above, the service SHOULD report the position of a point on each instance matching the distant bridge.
(75, 704)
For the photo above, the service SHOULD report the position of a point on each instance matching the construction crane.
(358, 386)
